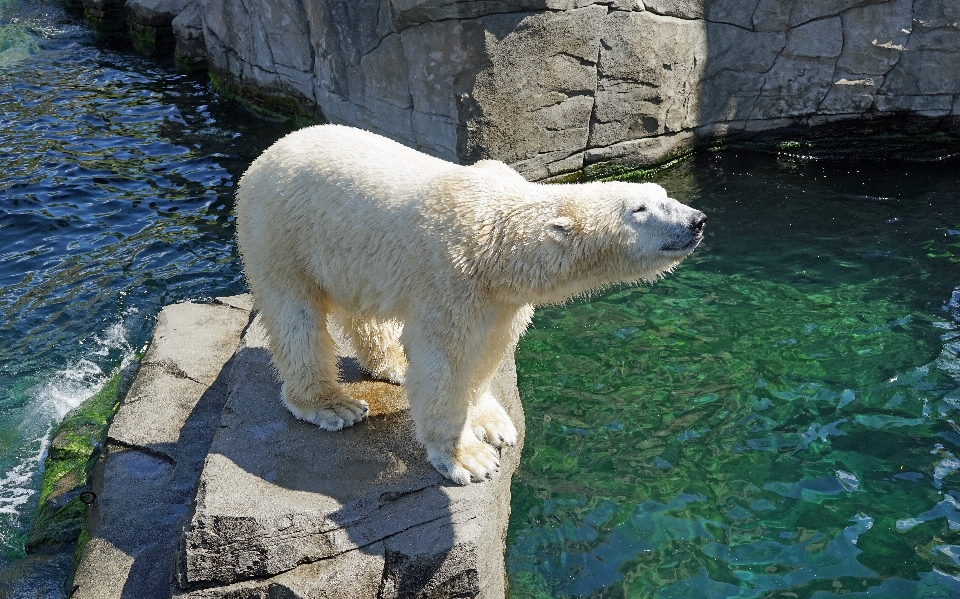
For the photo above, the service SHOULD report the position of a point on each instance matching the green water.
(774, 419)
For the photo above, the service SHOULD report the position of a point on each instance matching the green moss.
(612, 171)
(272, 107)
(915, 139)
(109, 24)
(189, 64)
(574, 177)
(81, 543)
(143, 37)
(793, 145)
(95, 21)
(60, 515)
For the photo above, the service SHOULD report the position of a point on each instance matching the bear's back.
(388, 169)
(345, 206)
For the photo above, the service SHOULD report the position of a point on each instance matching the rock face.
(211, 489)
(191, 48)
(149, 24)
(555, 86)
(154, 451)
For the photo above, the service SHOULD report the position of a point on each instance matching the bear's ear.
(559, 228)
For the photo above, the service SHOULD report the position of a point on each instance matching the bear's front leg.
(438, 387)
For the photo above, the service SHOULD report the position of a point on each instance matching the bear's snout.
(697, 222)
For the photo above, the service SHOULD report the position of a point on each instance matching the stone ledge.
(278, 495)
(273, 506)
(155, 447)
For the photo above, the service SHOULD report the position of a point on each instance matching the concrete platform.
(210, 488)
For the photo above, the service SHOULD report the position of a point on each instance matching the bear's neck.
(517, 259)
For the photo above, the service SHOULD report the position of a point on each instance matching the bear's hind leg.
(306, 357)
(378, 347)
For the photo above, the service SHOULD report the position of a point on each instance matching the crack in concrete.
(306, 560)
(668, 15)
(836, 64)
(583, 61)
(266, 38)
(906, 45)
(592, 119)
(822, 18)
(474, 18)
(171, 368)
(154, 453)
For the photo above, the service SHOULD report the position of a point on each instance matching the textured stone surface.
(532, 107)
(191, 47)
(283, 504)
(648, 66)
(555, 86)
(107, 17)
(275, 507)
(155, 446)
(150, 24)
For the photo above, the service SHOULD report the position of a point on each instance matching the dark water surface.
(116, 178)
(774, 419)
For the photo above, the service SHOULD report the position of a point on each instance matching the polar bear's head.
(639, 230)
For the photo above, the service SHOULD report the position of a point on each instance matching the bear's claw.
(491, 424)
(334, 416)
(474, 461)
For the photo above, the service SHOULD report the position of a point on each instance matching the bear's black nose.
(697, 223)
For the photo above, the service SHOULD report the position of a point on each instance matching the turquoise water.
(778, 418)
(115, 199)
(774, 419)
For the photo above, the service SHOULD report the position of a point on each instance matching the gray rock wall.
(556, 86)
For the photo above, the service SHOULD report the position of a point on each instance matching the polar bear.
(434, 268)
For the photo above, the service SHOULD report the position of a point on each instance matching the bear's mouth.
(689, 246)
(694, 226)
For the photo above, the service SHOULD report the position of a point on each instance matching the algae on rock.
(76, 443)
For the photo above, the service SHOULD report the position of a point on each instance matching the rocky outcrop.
(155, 449)
(557, 86)
(149, 24)
(209, 488)
(191, 48)
(152, 27)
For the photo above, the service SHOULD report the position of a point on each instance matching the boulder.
(156, 444)
(190, 50)
(208, 487)
(107, 17)
(150, 24)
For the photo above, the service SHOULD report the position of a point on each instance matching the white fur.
(446, 261)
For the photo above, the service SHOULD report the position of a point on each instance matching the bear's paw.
(331, 415)
(470, 460)
(392, 372)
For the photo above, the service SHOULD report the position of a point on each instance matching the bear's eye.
(640, 209)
